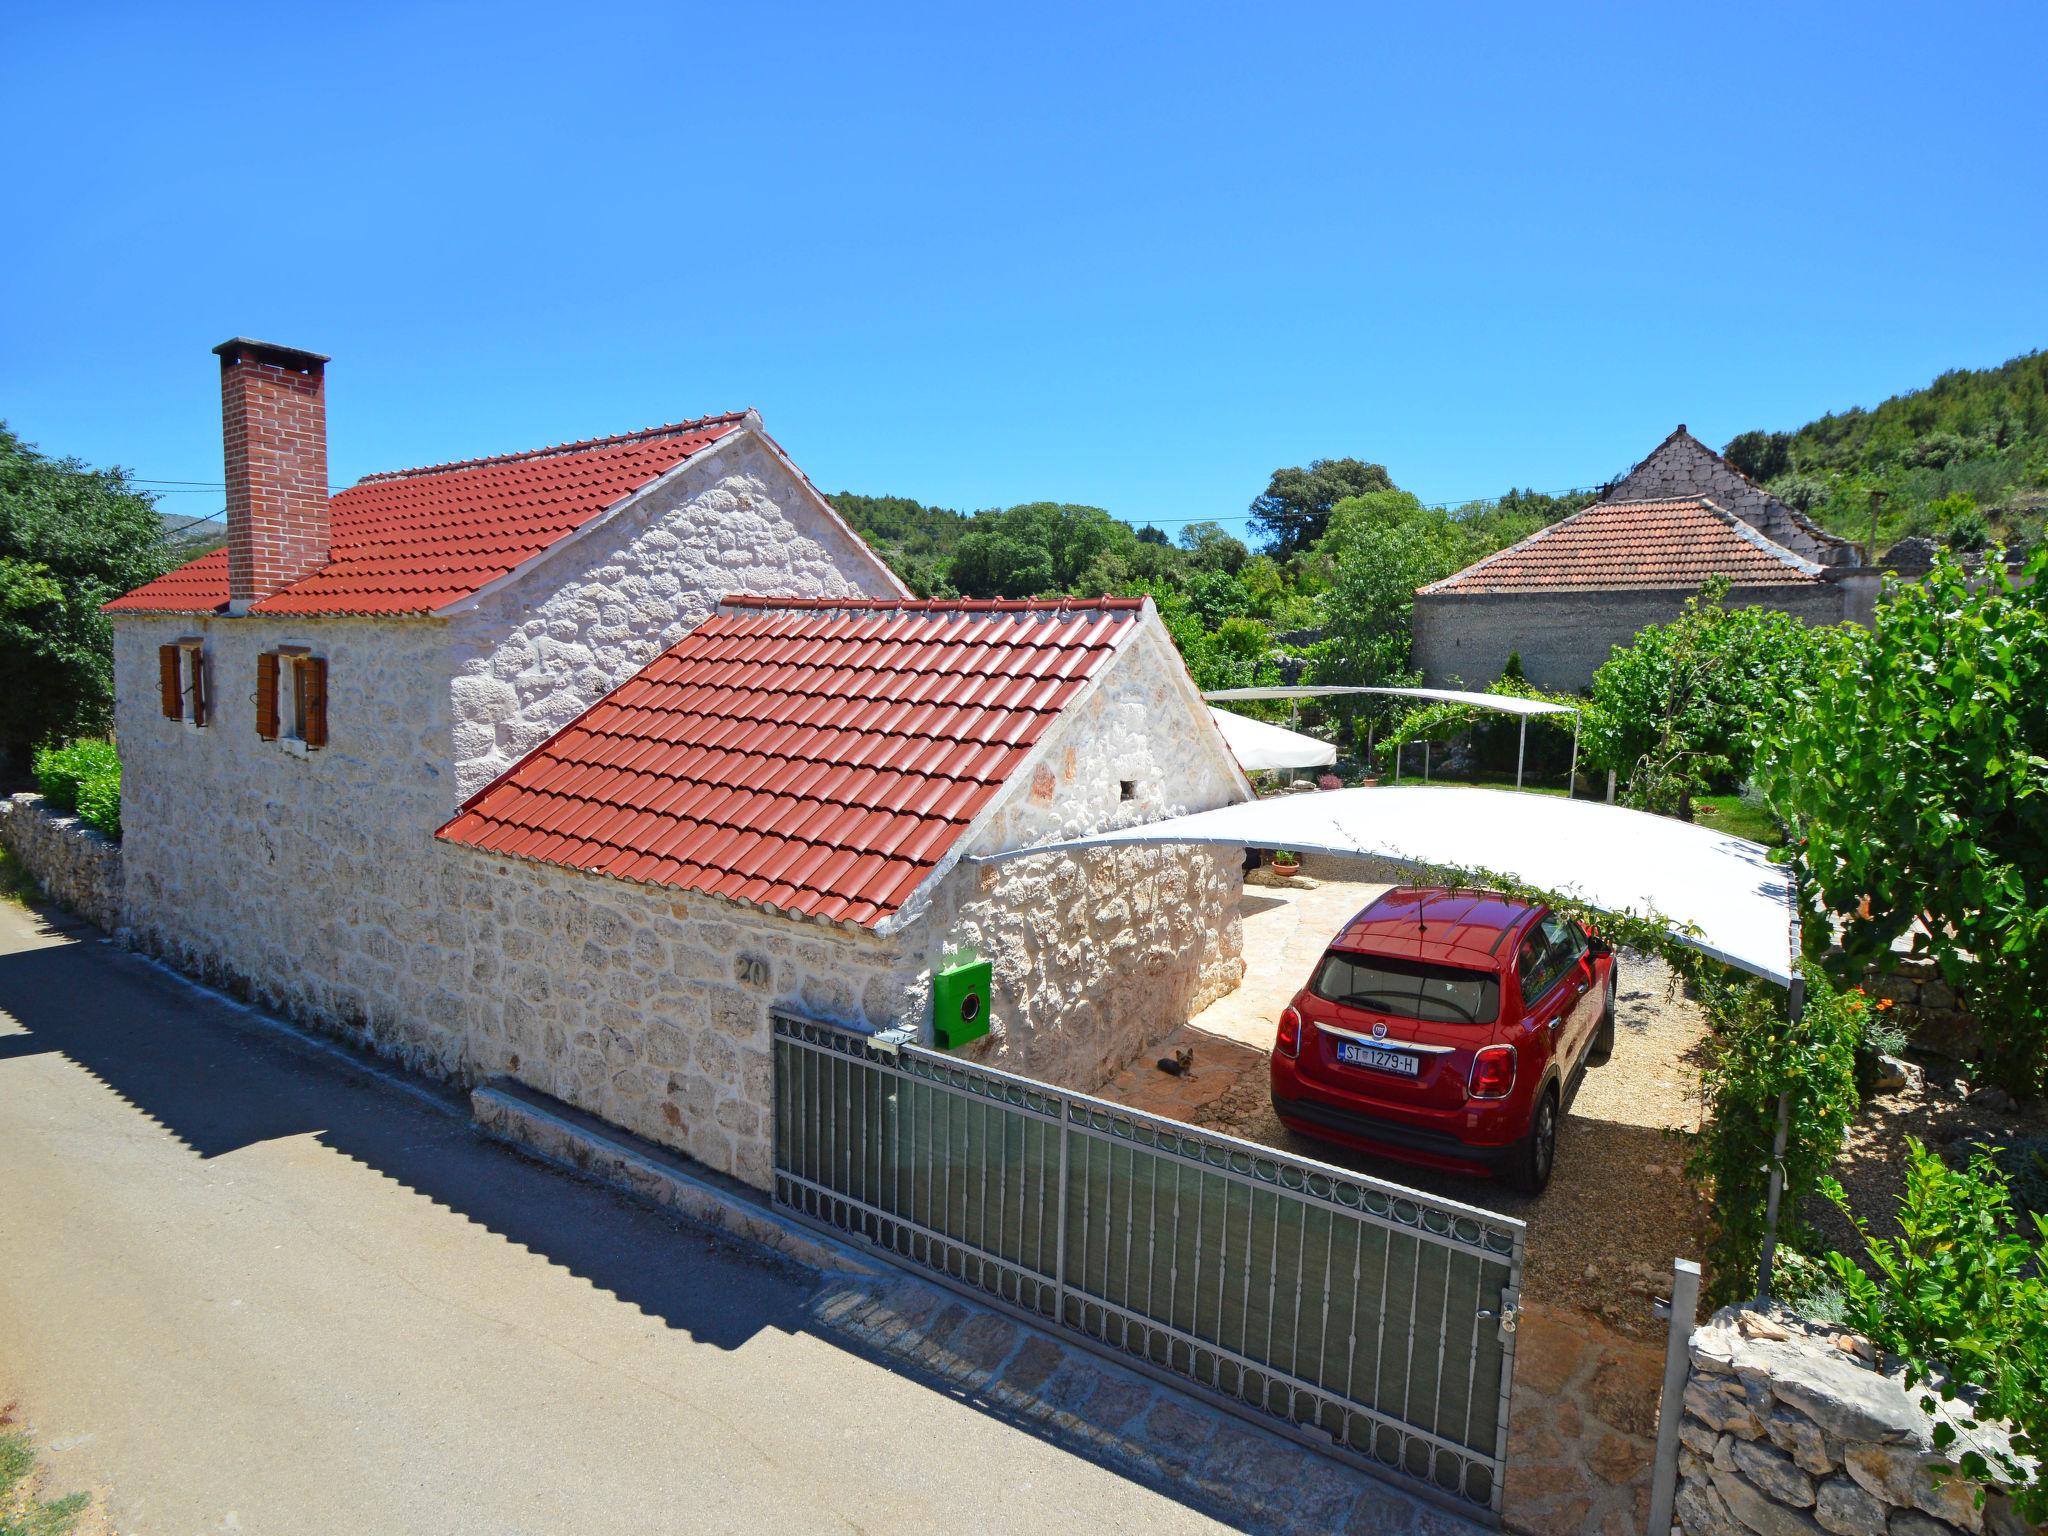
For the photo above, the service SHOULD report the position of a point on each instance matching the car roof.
(1431, 923)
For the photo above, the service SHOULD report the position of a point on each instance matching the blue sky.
(1136, 257)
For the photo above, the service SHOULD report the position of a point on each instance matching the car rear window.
(1408, 989)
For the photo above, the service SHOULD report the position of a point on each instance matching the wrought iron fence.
(1361, 1317)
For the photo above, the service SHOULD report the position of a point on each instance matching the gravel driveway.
(1618, 1209)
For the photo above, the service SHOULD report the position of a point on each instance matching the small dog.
(1179, 1064)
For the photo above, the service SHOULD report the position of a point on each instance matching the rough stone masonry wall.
(76, 866)
(1789, 1429)
(1563, 637)
(1098, 957)
(647, 1007)
(306, 883)
(1685, 467)
(532, 657)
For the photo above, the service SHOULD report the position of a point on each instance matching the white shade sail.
(1505, 703)
(1255, 744)
(1722, 895)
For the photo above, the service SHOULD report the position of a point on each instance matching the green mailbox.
(960, 1004)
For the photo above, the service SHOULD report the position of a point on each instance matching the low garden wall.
(1790, 1427)
(77, 866)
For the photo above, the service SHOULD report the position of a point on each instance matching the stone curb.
(567, 1138)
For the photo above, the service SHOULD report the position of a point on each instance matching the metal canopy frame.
(1500, 703)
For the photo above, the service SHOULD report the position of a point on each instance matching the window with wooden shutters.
(312, 672)
(167, 662)
(199, 704)
(266, 695)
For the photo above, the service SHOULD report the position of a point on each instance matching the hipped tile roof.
(1634, 545)
(811, 757)
(416, 540)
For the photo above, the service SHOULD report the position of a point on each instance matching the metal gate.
(1368, 1320)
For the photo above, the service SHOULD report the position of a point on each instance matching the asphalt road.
(244, 1288)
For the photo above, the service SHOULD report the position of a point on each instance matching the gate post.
(1684, 1308)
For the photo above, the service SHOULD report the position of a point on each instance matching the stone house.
(1564, 597)
(300, 713)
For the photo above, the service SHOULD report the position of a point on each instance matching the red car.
(1447, 1028)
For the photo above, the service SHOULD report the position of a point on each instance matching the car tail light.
(1493, 1072)
(1289, 1041)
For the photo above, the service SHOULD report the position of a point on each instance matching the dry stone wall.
(532, 657)
(1790, 1428)
(76, 866)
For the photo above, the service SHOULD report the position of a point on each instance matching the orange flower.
(1883, 1003)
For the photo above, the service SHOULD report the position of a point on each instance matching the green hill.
(1964, 460)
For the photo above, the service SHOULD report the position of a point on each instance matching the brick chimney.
(273, 419)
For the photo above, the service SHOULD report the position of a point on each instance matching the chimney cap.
(236, 348)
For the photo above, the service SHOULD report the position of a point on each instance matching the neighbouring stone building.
(301, 712)
(1564, 597)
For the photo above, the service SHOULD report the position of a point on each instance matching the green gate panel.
(960, 1005)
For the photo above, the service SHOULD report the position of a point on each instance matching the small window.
(291, 698)
(181, 666)
(1127, 789)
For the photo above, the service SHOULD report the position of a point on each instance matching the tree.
(1209, 548)
(1383, 546)
(1681, 708)
(1914, 776)
(71, 538)
(1036, 549)
(1294, 511)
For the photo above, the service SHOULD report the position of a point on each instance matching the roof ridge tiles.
(558, 450)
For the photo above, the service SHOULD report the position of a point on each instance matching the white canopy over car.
(1721, 895)
(1255, 744)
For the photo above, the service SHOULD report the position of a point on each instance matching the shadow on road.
(193, 1064)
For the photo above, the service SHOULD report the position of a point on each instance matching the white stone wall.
(303, 882)
(74, 864)
(1096, 958)
(649, 1007)
(1684, 466)
(534, 655)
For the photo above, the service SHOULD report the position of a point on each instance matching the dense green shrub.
(1680, 710)
(59, 771)
(1962, 1297)
(99, 802)
(1755, 1053)
(1913, 774)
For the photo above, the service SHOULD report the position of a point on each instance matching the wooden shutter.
(266, 695)
(313, 679)
(167, 676)
(199, 698)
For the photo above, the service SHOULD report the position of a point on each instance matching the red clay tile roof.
(416, 540)
(1631, 545)
(812, 757)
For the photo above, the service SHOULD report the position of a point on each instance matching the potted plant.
(1286, 863)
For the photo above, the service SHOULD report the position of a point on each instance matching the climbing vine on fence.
(1755, 1053)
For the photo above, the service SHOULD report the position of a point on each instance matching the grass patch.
(21, 1512)
(1737, 817)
